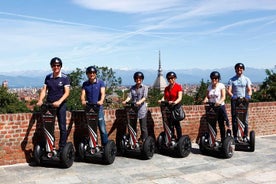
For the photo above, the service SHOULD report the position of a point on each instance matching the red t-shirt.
(171, 94)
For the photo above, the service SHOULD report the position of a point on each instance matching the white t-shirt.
(215, 93)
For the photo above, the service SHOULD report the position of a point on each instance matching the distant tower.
(160, 82)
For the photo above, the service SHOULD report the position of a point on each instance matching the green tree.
(153, 96)
(109, 78)
(187, 100)
(9, 102)
(267, 90)
(76, 79)
(201, 92)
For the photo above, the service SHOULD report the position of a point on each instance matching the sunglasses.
(55, 66)
(214, 78)
(91, 72)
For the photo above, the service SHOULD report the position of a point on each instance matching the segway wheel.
(252, 141)
(184, 146)
(68, 155)
(38, 152)
(160, 142)
(110, 151)
(148, 148)
(82, 151)
(228, 147)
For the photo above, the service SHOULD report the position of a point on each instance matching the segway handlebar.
(46, 106)
(167, 104)
(93, 106)
(130, 104)
(241, 99)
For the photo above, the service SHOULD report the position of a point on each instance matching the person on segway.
(93, 92)
(216, 94)
(239, 86)
(57, 88)
(173, 95)
(138, 94)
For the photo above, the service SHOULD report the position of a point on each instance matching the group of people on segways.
(57, 88)
(239, 89)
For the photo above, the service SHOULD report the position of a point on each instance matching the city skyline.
(129, 34)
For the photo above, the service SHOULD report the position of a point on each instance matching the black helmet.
(215, 74)
(170, 75)
(239, 65)
(91, 69)
(138, 74)
(56, 61)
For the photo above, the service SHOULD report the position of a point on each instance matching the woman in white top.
(216, 93)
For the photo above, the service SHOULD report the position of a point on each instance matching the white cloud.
(128, 6)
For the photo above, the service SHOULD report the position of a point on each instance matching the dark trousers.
(176, 125)
(221, 117)
(143, 127)
(61, 116)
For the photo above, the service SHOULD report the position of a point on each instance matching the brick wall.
(20, 132)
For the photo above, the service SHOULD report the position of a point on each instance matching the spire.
(160, 68)
(160, 82)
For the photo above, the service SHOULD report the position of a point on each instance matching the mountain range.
(184, 76)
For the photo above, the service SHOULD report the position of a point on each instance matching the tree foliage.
(201, 92)
(267, 90)
(153, 96)
(9, 102)
(108, 76)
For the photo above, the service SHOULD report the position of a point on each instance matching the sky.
(128, 34)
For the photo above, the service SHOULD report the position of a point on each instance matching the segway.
(241, 107)
(89, 146)
(130, 141)
(165, 141)
(208, 142)
(45, 151)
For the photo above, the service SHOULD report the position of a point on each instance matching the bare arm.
(178, 100)
(42, 95)
(101, 101)
(249, 90)
(83, 97)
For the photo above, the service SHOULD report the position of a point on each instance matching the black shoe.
(236, 140)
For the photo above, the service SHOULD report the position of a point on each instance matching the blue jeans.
(102, 127)
(61, 116)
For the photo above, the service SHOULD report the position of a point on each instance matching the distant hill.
(184, 76)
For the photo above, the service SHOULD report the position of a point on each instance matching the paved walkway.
(243, 167)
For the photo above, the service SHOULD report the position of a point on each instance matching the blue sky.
(128, 34)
